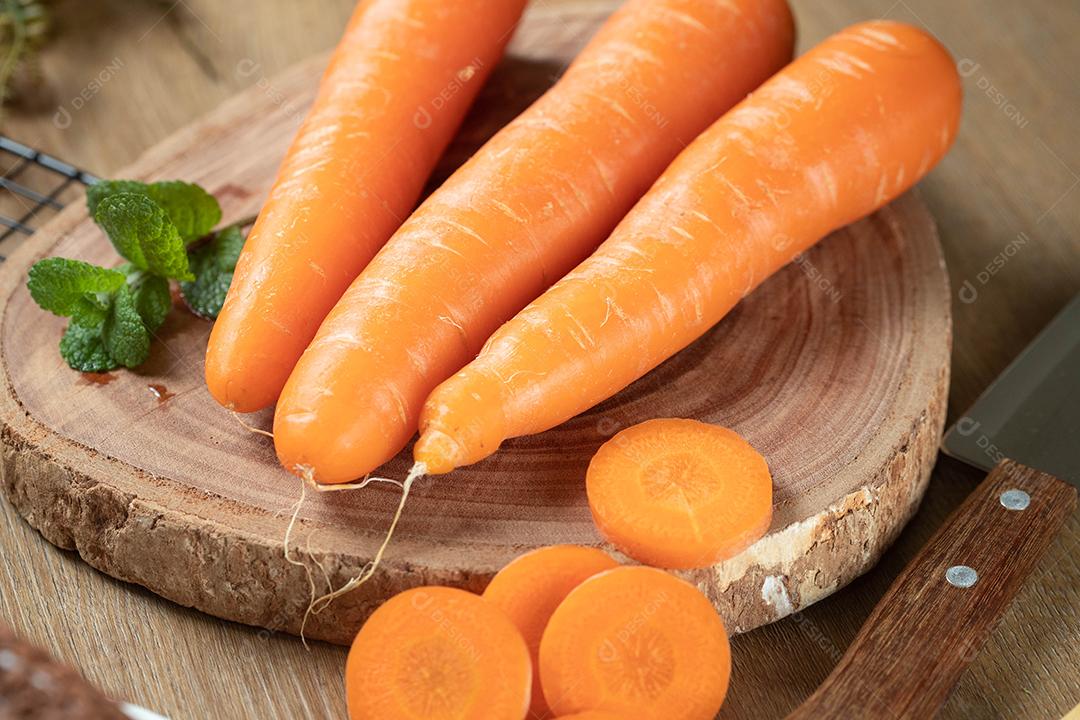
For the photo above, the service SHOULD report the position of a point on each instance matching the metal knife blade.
(1031, 413)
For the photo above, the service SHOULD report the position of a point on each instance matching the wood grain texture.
(180, 498)
(1000, 179)
(926, 630)
(33, 684)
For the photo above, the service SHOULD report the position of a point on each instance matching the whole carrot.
(532, 203)
(395, 91)
(837, 134)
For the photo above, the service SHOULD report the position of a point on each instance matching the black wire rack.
(37, 183)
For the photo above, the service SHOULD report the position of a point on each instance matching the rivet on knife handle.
(939, 611)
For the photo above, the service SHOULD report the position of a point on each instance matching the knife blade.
(1031, 413)
(930, 624)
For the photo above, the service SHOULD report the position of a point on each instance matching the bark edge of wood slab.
(928, 627)
(836, 369)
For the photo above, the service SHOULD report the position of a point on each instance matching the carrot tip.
(440, 452)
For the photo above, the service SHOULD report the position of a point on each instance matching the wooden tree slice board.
(836, 369)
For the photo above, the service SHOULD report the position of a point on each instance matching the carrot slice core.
(679, 493)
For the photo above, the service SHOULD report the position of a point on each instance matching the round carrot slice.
(595, 715)
(638, 642)
(437, 653)
(531, 586)
(679, 493)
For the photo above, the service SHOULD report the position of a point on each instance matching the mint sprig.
(157, 228)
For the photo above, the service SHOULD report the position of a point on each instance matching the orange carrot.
(837, 134)
(437, 653)
(397, 87)
(596, 715)
(639, 642)
(532, 203)
(529, 589)
(679, 493)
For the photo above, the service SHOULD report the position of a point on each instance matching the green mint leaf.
(153, 299)
(124, 334)
(106, 188)
(72, 288)
(213, 265)
(84, 349)
(192, 210)
(143, 234)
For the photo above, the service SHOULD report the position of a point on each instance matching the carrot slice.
(595, 715)
(639, 642)
(529, 589)
(438, 652)
(679, 493)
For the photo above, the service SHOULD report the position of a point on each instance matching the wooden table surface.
(123, 74)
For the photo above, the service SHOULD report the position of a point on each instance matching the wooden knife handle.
(932, 621)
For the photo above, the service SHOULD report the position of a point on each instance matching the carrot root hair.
(307, 474)
(319, 603)
(297, 561)
(249, 427)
